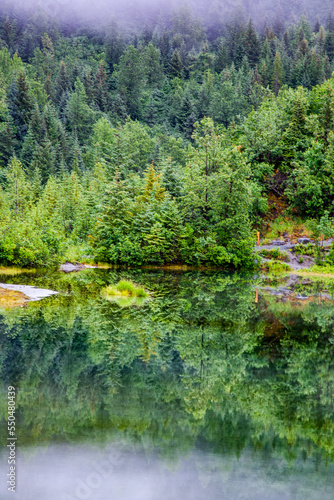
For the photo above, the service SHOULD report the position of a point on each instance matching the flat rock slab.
(278, 243)
(31, 292)
(68, 267)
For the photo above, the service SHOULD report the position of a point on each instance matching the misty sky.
(128, 12)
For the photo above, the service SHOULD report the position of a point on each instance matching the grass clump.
(127, 289)
(126, 293)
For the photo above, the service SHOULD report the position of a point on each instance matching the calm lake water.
(203, 392)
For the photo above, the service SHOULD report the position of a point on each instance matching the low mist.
(148, 12)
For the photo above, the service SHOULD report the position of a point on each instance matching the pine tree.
(327, 114)
(236, 43)
(152, 66)
(44, 159)
(62, 82)
(171, 177)
(252, 45)
(183, 113)
(101, 88)
(18, 188)
(329, 43)
(164, 46)
(278, 76)
(20, 105)
(130, 80)
(221, 59)
(175, 65)
(77, 164)
(88, 82)
(152, 186)
(317, 26)
(114, 47)
(8, 141)
(295, 137)
(147, 35)
(9, 35)
(78, 113)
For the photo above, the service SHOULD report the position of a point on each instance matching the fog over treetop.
(130, 13)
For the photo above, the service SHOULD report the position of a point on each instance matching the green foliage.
(126, 288)
(83, 117)
(275, 254)
(275, 268)
(78, 114)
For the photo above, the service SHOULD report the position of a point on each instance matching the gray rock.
(29, 291)
(304, 241)
(68, 267)
(277, 243)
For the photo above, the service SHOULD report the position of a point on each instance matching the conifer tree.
(252, 44)
(130, 80)
(18, 188)
(175, 65)
(278, 77)
(9, 35)
(114, 47)
(62, 82)
(152, 186)
(101, 88)
(164, 46)
(152, 66)
(221, 58)
(20, 105)
(78, 113)
(8, 141)
(329, 43)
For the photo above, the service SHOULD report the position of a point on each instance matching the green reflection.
(200, 364)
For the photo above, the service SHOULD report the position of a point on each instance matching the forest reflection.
(200, 365)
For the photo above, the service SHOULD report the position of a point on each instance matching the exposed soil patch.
(10, 299)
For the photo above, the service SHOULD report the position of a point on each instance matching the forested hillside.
(160, 143)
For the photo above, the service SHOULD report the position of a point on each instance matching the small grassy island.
(126, 293)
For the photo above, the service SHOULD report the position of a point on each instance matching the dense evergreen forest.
(166, 142)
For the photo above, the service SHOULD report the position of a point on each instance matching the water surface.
(199, 393)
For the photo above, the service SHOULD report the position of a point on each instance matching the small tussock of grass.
(126, 293)
(11, 298)
(126, 289)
